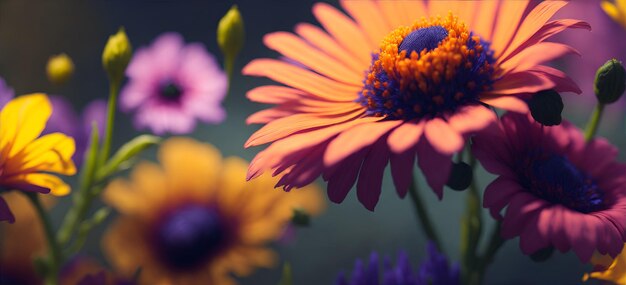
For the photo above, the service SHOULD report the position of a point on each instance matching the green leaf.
(91, 158)
(127, 152)
(287, 278)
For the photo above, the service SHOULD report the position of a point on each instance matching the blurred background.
(32, 30)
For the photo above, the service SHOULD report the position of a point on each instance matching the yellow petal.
(55, 184)
(21, 121)
(612, 10)
(191, 165)
(50, 153)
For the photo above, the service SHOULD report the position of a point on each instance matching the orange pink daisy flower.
(396, 80)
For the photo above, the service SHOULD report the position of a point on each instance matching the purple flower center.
(557, 180)
(170, 91)
(399, 89)
(189, 236)
(425, 38)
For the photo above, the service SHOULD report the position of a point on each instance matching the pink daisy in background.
(558, 190)
(172, 84)
(395, 80)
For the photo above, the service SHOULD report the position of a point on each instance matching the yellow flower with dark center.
(27, 161)
(616, 10)
(195, 220)
(608, 269)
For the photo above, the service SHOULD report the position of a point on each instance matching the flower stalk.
(594, 122)
(471, 228)
(423, 216)
(55, 258)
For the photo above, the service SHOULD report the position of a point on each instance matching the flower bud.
(610, 82)
(59, 68)
(301, 217)
(546, 107)
(116, 55)
(460, 176)
(230, 33)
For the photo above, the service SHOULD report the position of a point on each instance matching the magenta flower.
(173, 84)
(560, 191)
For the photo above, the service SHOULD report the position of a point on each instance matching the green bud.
(460, 176)
(610, 82)
(301, 217)
(230, 33)
(116, 55)
(59, 69)
(546, 107)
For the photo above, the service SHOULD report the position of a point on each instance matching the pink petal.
(355, 139)
(443, 137)
(472, 118)
(405, 136)
(509, 103)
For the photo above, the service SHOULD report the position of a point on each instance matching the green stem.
(471, 227)
(495, 243)
(423, 217)
(594, 122)
(114, 87)
(55, 255)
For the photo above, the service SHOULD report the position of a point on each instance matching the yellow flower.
(195, 220)
(27, 161)
(616, 10)
(21, 242)
(609, 269)
(60, 68)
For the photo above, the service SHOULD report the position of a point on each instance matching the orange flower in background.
(195, 220)
(27, 161)
(21, 242)
(396, 80)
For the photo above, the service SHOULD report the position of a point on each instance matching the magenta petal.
(341, 182)
(304, 172)
(435, 166)
(559, 238)
(531, 239)
(584, 243)
(371, 176)
(498, 194)
(5, 212)
(517, 214)
(402, 170)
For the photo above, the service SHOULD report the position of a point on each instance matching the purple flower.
(65, 120)
(6, 93)
(435, 270)
(173, 84)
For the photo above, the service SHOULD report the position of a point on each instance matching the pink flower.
(558, 190)
(398, 82)
(173, 84)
